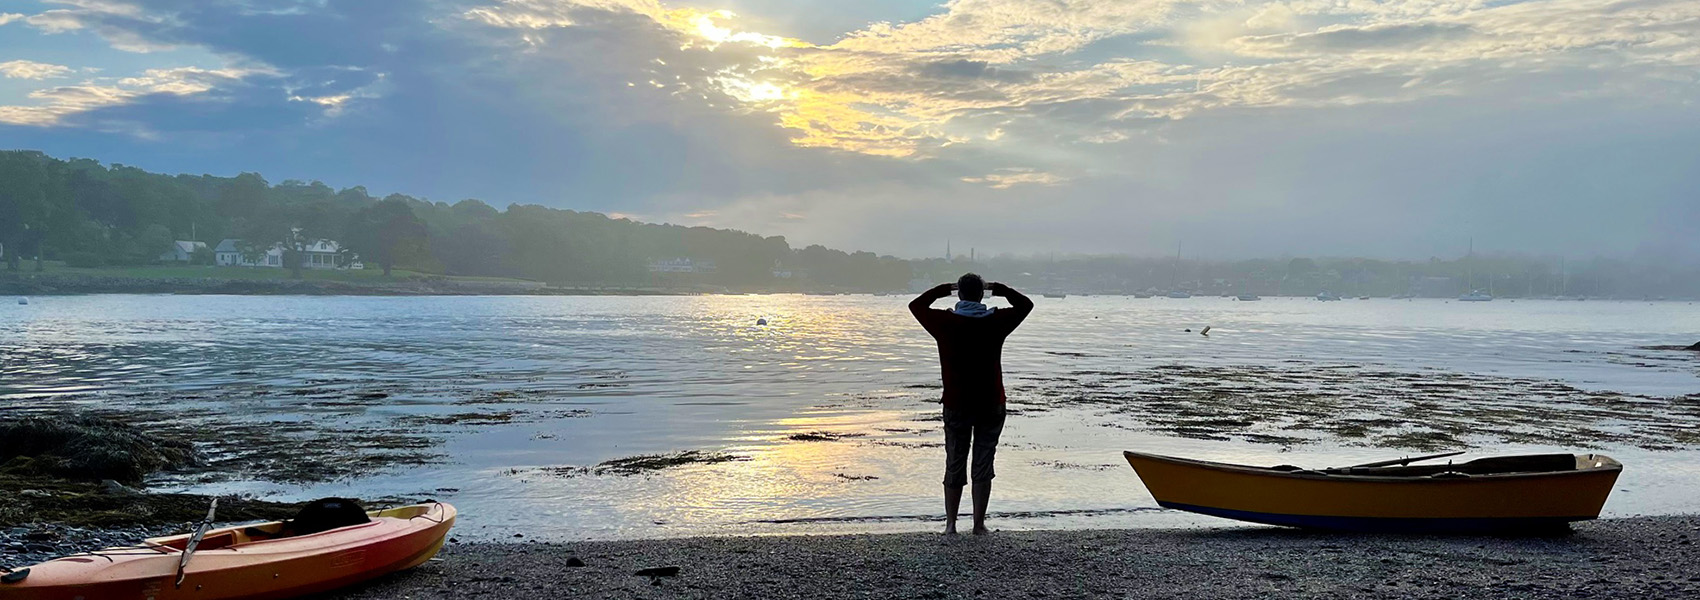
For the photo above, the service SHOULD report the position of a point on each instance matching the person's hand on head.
(944, 288)
(997, 288)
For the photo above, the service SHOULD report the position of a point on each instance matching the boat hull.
(1475, 504)
(271, 569)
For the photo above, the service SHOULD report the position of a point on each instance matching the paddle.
(1399, 461)
(195, 540)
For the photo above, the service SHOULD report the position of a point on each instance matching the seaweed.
(89, 448)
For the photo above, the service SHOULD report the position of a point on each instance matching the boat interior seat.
(317, 516)
(1535, 463)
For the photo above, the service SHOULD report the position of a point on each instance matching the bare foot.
(950, 529)
(981, 530)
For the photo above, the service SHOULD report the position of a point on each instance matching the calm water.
(511, 389)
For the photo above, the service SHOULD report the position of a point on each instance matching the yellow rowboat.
(1508, 493)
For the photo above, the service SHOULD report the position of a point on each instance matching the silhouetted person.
(970, 338)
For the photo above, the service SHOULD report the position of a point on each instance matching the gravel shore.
(1643, 557)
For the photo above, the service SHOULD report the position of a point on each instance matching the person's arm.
(922, 305)
(1019, 305)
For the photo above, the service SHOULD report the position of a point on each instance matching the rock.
(573, 561)
(668, 571)
(114, 488)
(40, 536)
(1695, 347)
(34, 494)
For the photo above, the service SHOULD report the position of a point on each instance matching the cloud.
(126, 25)
(1004, 179)
(28, 69)
(9, 17)
(54, 105)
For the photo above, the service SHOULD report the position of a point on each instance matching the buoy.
(761, 321)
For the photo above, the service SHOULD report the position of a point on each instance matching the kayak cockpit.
(1495, 465)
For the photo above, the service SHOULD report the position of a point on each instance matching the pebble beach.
(1641, 557)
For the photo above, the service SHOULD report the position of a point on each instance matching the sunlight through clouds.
(908, 89)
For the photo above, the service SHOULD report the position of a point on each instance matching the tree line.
(87, 214)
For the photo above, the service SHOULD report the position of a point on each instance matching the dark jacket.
(971, 348)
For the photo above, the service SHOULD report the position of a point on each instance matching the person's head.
(971, 287)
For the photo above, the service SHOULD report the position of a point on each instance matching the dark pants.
(973, 431)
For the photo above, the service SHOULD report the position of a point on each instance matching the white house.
(229, 254)
(182, 251)
(321, 254)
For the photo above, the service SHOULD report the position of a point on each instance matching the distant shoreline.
(26, 283)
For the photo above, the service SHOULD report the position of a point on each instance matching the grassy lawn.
(373, 275)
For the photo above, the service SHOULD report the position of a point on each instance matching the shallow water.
(506, 398)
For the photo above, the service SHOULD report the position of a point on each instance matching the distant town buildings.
(682, 265)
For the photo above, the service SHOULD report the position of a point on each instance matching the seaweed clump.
(88, 448)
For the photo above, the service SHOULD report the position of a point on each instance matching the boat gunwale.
(161, 544)
(1608, 464)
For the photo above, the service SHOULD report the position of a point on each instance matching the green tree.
(24, 206)
(387, 233)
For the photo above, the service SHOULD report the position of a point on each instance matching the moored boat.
(1509, 493)
(249, 562)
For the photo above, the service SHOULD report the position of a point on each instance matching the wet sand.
(1644, 557)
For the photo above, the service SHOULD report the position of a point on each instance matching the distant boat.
(881, 294)
(1476, 296)
(1401, 297)
(1055, 295)
(1327, 297)
(1142, 295)
(23, 301)
(1363, 297)
(1248, 297)
(1179, 294)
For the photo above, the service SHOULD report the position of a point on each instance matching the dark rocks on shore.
(88, 448)
(1695, 347)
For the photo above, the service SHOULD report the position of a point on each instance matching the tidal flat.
(649, 417)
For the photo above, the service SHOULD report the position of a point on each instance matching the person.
(970, 338)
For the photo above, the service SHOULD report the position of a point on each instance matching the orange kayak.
(245, 561)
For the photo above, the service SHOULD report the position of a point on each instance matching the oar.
(195, 540)
(1399, 461)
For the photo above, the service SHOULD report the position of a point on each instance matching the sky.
(1222, 128)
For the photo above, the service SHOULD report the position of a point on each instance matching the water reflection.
(505, 388)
